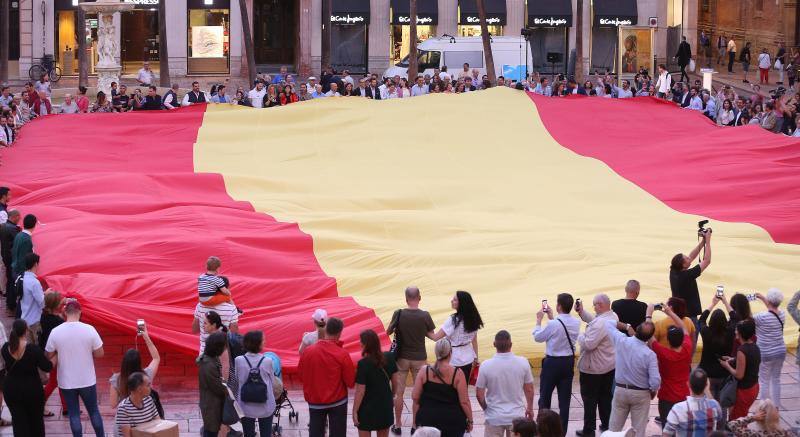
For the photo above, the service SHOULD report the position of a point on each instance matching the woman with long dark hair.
(744, 367)
(548, 424)
(461, 329)
(373, 406)
(23, 387)
(212, 390)
(740, 310)
(132, 363)
(717, 334)
(440, 396)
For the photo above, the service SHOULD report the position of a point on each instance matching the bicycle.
(45, 65)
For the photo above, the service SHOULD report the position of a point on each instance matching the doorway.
(275, 31)
(139, 40)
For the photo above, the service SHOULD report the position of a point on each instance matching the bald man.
(630, 310)
(596, 365)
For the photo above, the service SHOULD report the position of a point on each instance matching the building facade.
(204, 37)
(764, 23)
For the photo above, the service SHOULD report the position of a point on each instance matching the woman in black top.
(740, 311)
(440, 396)
(717, 334)
(23, 388)
(373, 407)
(747, 362)
(51, 317)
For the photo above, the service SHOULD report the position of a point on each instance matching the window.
(429, 60)
(209, 42)
(457, 59)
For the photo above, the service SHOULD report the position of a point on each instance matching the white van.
(508, 51)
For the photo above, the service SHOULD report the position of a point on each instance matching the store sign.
(473, 19)
(348, 19)
(549, 21)
(615, 22)
(405, 19)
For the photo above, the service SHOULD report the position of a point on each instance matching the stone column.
(178, 38)
(236, 40)
(306, 25)
(448, 17)
(690, 8)
(25, 37)
(316, 36)
(379, 29)
(515, 17)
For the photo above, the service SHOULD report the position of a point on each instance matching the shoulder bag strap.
(571, 346)
(778, 317)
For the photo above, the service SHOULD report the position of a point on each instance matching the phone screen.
(544, 304)
(720, 290)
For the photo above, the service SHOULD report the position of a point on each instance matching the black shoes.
(395, 430)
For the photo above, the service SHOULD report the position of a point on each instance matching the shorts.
(497, 431)
(218, 298)
(746, 66)
(403, 366)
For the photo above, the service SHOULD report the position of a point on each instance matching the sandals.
(48, 413)
(4, 422)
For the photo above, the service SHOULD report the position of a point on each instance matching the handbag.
(778, 64)
(231, 412)
(473, 374)
(692, 65)
(727, 395)
(395, 347)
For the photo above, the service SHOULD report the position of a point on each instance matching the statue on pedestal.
(107, 47)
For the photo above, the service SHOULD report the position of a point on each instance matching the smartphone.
(751, 297)
(578, 301)
(658, 307)
(140, 327)
(720, 290)
(545, 307)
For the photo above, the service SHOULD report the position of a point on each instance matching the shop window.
(604, 49)
(209, 41)
(401, 39)
(67, 41)
(465, 30)
(349, 48)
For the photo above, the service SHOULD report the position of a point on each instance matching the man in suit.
(22, 246)
(684, 55)
(739, 111)
(361, 91)
(373, 91)
(152, 101)
(8, 231)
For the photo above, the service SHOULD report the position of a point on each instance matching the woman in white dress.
(461, 329)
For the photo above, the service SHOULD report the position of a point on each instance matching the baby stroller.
(282, 401)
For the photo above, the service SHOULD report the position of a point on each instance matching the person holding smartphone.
(560, 336)
(683, 279)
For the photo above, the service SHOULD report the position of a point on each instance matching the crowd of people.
(624, 360)
(776, 112)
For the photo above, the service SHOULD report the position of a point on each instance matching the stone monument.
(108, 70)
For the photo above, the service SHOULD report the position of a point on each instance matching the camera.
(720, 290)
(751, 297)
(140, 327)
(701, 229)
(658, 307)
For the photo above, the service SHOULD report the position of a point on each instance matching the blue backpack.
(254, 390)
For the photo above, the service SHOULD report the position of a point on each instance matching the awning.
(495, 12)
(350, 11)
(549, 13)
(614, 13)
(427, 12)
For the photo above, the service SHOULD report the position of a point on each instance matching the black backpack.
(254, 390)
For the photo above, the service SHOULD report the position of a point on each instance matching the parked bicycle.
(46, 65)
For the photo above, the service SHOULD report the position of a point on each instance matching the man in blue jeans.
(76, 345)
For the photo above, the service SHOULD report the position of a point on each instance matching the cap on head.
(319, 316)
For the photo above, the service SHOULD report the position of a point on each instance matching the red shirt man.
(327, 371)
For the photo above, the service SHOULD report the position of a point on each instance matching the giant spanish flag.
(341, 203)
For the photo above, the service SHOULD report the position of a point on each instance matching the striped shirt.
(208, 285)
(694, 417)
(131, 415)
(770, 334)
(227, 312)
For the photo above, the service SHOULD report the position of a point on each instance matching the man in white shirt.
(256, 95)
(171, 97)
(75, 345)
(384, 88)
(5, 97)
(664, 82)
(465, 73)
(145, 77)
(312, 84)
(695, 102)
(69, 106)
(194, 96)
(346, 78)
(227, 313)
(559, 337)
(624, 92)
(596, 364)
(504, 388)
(3, 138)
(334, 91)
(444, 75)
(419, 88)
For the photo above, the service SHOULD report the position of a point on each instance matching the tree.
(487, 43)
(248, 42)
(413, 69)
(4, 36)
(83, 63)
(326, 34)
(579, 41)
(163, 53)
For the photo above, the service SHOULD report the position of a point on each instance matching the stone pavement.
(735, 79)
